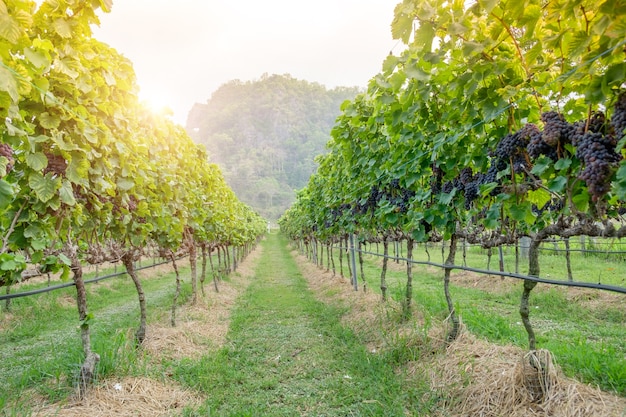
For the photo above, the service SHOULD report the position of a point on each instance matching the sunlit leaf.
(9, 27)
(38, 59)
(125, 184)
(49, 121)
(44, 186)
(8, 83)
(539, 197)
(67, 194)
(62, 28)
(37, 161)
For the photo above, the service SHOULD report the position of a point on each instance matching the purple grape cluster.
(7, 152)
(618, 119)
(597, 152)
(56, 164)
(556, 130)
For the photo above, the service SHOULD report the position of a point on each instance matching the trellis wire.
(71, 284)
(504, 274)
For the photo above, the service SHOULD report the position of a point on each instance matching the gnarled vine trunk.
(332, 257)
(454, 330)
(177, 292)
(340, 258)
(213, 268)
(193, 264)
(203, 273)
(533, 271)
(128, 260)
(88, 368)
(383, 273)
(360, 250)
(406, 311)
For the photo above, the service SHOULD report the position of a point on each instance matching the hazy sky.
(184, 50)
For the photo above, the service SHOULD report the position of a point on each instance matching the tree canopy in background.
(264, 135)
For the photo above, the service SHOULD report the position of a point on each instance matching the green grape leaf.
(44, 187)
(8, 83)
(520, 211)
(39, 244)
(63, 28)
(48, 121)
(581, 200)
(78, 170)
(541, 166)
(65, 259)
(539, 197)
(563, 163)
(390, 63)
(65, 274)
(557, 184)
(38, 59)
(67, 194)
(36, 161)
(416, 73)
(125, 184)
(32, 231)
(402, 25)
(9, 28)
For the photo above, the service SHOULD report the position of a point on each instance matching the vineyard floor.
(280, 338)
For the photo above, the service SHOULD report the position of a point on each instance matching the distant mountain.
(264, 135)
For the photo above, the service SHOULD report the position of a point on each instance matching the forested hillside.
(265, 133)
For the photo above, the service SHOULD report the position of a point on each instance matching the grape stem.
(5, 241)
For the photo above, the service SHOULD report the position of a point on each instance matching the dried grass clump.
(482, 379)
(376, 322)
(202, 326)
(129, 397)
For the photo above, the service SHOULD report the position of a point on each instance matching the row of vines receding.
(87, 172)
(499, 120)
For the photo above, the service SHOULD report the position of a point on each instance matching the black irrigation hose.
(602, 252)
(578, 284)
(71, 284)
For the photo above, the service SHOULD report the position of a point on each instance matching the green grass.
(41, 347)
(288, 354)
(589, 343)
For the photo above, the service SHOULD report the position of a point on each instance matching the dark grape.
(471, 193)
(7, 152)
(597, 122)
(56, 164)
(597, 152)
(555, 128)
(618, 119)
(466, 176)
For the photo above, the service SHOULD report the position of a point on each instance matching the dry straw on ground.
(203, 326)
(483, 379)
(476, 378)
(129, 397)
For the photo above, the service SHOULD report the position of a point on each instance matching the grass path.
(288, 355)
